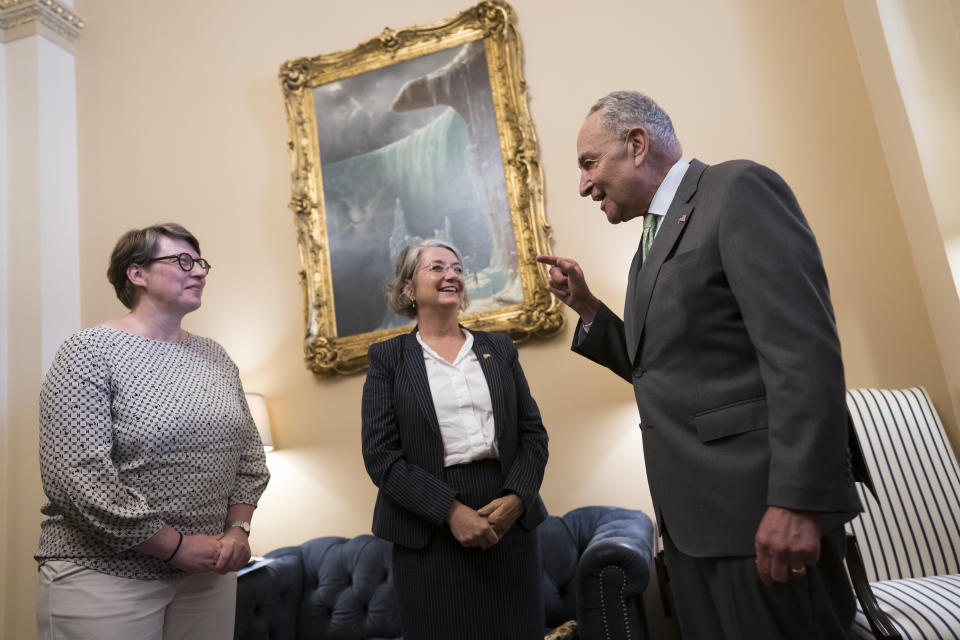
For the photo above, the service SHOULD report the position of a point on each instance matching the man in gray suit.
(730, 343)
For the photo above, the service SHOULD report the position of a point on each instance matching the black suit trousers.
(724, 599)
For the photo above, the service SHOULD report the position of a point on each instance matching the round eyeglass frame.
(185, 261)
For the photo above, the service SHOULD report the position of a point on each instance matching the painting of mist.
(408, 152)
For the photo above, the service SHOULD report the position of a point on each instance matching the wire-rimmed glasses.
(439, 270)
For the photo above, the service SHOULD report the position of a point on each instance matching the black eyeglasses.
(186, 262)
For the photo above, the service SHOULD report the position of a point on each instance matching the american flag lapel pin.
(682, 219)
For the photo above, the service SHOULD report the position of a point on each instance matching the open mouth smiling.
(600, 197)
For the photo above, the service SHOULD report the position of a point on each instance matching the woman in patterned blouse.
(150, 461)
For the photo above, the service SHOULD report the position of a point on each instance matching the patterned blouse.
(135, 434)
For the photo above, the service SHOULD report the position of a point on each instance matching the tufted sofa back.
(348, 589)
(342, 588)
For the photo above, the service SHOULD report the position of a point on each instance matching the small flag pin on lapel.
(682, 219)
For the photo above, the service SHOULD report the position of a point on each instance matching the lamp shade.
(258, 409)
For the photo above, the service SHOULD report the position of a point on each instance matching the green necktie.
(646, 240)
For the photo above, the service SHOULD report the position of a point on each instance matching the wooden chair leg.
(880, 622)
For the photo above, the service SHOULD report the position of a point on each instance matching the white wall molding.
(49, 18)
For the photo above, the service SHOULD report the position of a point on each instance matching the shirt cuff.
(583, 331)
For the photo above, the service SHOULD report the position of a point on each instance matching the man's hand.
(470, 528)
(197, 554)
(787, 542)
(234, 550)
(568, 284)
(501, 513)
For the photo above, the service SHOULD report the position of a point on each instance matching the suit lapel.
(417, 372)
(644, 279)
(490, 364)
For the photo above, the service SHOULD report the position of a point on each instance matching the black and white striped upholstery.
(910, 535)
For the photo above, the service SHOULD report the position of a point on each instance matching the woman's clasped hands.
(484, 527)
(223, 553)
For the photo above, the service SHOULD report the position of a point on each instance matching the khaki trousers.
(76, 603)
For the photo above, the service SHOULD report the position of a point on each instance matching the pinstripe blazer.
(403, 449)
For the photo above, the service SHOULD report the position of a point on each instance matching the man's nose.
(585, 184)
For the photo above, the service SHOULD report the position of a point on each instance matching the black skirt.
(448, 591)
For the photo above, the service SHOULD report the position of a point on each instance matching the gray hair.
(403, 274)
(621, 111)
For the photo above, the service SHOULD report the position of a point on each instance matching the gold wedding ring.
(798, 571)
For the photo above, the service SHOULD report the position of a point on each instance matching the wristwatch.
(243, 524)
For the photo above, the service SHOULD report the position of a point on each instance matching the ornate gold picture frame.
(417, 133)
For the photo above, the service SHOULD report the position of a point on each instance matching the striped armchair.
(907, 541)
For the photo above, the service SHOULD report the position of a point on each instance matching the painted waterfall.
(411, 151)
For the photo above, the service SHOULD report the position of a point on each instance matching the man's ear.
(638, 141)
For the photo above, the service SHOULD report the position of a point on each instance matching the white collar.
(464, 350)
(668, 188)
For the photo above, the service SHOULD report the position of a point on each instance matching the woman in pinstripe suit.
(455, 443)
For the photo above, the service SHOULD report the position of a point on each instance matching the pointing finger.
(564, 264)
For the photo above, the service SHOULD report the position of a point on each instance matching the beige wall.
(906, 48)
(180, 117)
(925, 51)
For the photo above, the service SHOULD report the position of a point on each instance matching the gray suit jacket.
(730, 343)
(403, 450)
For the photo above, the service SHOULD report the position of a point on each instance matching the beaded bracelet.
(177, 548)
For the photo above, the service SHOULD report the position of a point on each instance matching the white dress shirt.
(659, 205)
(462, 401)
(667, 190)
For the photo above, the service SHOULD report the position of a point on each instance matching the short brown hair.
(404, 270)
(137, 246)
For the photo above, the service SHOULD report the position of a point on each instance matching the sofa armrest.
(268, 599)
(612, 574)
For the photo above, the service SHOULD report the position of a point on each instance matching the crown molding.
(23, 18)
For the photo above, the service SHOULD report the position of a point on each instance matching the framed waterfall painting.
(418, 133)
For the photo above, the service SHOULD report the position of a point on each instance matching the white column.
(39, 271)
